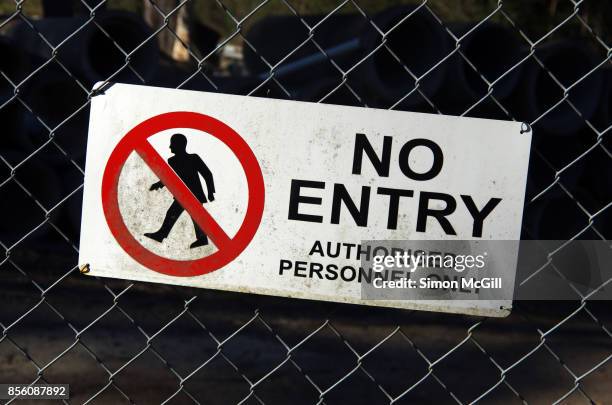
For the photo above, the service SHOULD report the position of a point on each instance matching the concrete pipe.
(489, 52)
(544, 218)
(538, 91)
(420, 42)
(90, 52)
(542, 175)
(276, 37)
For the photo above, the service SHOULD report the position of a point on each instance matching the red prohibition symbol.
(228, 248)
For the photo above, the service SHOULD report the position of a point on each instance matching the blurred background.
(542, 62)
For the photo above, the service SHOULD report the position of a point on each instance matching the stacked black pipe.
(402, 57)
(44, 109)
(406, 58)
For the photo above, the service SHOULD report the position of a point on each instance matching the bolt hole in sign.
(301, 200)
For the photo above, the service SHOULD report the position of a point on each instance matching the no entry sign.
(136, 140)
(286, 198)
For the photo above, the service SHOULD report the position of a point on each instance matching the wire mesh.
(117, 342)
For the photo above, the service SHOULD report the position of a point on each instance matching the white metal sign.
(245, 194)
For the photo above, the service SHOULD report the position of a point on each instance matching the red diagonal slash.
(136, 140)
(183, 195)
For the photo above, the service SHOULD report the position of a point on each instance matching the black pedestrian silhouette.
(188, 166)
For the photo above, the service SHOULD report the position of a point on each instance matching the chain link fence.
(124, 342)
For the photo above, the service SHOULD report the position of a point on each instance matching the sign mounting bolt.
(84, 269)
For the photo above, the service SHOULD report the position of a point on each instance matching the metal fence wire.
(546, 63)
